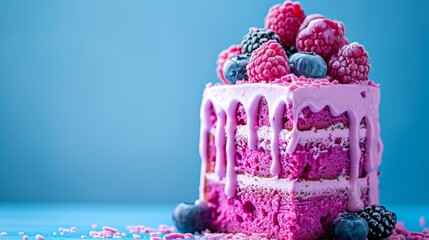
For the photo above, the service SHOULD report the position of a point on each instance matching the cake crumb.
(39, 237)
(109, 229)
(400, 232)
(178, 236)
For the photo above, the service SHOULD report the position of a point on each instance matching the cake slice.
(291, 138)
(286, 158)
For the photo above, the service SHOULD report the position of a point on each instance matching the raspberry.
(285, 19)
(310, 18)
(268, 62)
(231, 51)
(255, 38)
(350, 64)
(381, 221)
(320, 35)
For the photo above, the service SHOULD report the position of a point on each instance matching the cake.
(284, 154)
(290, 140)
(286, 159)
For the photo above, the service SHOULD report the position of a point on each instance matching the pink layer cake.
(286, 159)
(291, 139)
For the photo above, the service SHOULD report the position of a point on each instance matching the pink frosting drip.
(297, 95)
(220, 145)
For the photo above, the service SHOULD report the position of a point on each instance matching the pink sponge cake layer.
(326, 156)
(281, 209)
(307, 119)
(286, 158)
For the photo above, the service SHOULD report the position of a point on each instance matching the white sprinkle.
(422, 221)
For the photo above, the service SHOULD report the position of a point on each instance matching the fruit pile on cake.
(290, 142)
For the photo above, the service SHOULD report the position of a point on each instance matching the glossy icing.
(296, 96)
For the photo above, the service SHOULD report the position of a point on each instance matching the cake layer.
(322, 153)
(280, 208)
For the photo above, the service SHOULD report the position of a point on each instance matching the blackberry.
(255, 38)
(381, 221)
(290, 50)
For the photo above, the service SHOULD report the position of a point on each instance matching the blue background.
(99, 100)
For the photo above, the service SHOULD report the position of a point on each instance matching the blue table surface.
(46, 218)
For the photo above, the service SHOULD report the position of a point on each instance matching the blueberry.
(191, 218)
(349, 226)
(234, 68)
(308, 64)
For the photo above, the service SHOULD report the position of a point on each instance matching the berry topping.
(234, 68)
(268, 63)
(350, 64)
(310, 18)
(381, 221)
(226, 54)
(307, 64)
(255, 38)
(349, 226)
(320, 35)
(285, 20)
(191, 218)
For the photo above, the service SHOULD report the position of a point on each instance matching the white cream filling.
(325, 137)
(303, 189)
(335, 131)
